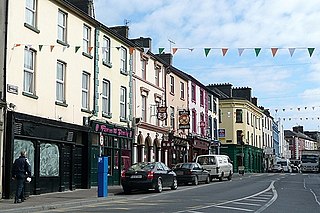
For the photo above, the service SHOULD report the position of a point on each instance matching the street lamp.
(241, 169)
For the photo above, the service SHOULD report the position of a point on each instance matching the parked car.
(219, 166)
(276, 168)
(148, 175)
(191, 173)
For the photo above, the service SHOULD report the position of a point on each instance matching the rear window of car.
(184, 165)
(142, 166)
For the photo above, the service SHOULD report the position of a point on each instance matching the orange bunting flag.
(274, 51)
(51, 47)
(224, 51)
(174, 50)
(131, 49)
(90, 48)
(17, 45)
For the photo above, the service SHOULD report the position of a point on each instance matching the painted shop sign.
(113, 130)
(184, 119)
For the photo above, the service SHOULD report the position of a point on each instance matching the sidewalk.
(58, 200)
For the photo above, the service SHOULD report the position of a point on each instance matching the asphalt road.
(250, 193)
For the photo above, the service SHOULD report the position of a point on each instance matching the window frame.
(143, 69)
(61, 82)
(182, 95)
(85, 102)
(144, 108)
(33, 11)
(172, 117)
(239, 116)
(201, 97)
(30, 71)
(123, 60)
(171, 84)
(105, 97)
(157, 76)
(193, 93)
(123, 103)
(62, 27)
(86, 39)
(106, 54)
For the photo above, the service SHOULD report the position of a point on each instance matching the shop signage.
(113, 130)
(179, 141)
(184, 119)
(162, 113)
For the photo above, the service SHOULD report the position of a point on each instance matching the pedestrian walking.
(21, 170)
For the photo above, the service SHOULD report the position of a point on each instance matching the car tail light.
(123, 174)
(150, 175)
(218, 169)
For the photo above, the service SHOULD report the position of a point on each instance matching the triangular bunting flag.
(191, 49)
(274, 51)
(118, 48)
(298, 109)
(224, 51)
(90, 48)
(76, 49)
(206, 51)
(276, 110)
(240, 50)
(257, 51)
(161, 49)
(291, 51)
(51, 47)
(131, 49)
(174, 50)
(17, 45)
(64, 48)
(145, 50)
(310, 50)
(40, 47)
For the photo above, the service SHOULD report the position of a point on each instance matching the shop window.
(49, 160)
(26, 145)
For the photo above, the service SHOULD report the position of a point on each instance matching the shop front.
(199, 146)
(176, 150)
(115, 142)
(57, 152)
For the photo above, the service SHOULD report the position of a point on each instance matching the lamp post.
(241, 169)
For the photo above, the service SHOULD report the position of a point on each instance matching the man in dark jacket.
(20, 171)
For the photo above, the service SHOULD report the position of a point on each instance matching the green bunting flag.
(310, 50)
(40, 47)
(206, 51)
(161, 49)
(77, 48)
(257, 50)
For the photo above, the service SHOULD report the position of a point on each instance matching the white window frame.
(181, 90)
(60, 82)
(144, 69)
(123, 103)
(86, 38)
(62, 26)
(30, 12)
(144, 108)
(172, 117)
(157, 76)
(85, 90)
(106, 50)
(106, 97)
(171, 84)
(123, 60)
(29, 71)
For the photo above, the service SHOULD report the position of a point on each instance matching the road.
(250, 193)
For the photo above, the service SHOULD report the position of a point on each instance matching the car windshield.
(142, 166)
(184, 165)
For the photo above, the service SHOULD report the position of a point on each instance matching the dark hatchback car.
(191, 173)
(148, 175)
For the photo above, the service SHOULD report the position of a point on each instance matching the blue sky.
(289, 86)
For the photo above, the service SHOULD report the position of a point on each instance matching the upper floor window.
(144, 69)
(157, 76)
(181, 90)
(106, 50)
(29, 71)
(214, 109)
(172, 120)
(194, 121)
(193, 93)
(62, 26)
(86, 39)
(123, 103)
(248, 120)
(210, 102)
(202, 124)
(123, 60)
(60, 82)
(144, 108)
(85, 90)
(171, 84)
(239, 116)
(106, 98)
(201, 97)
(240, 137)
(31, 12)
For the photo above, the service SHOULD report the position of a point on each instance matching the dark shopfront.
(115, 142)
(57, 152)
(178, 149)
(199, 146)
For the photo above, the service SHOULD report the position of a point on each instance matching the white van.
(285, 164)
(219, 166)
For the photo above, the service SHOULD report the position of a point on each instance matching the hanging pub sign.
(184, 119)
(162, 113)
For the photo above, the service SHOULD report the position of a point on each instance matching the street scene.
(159, 106)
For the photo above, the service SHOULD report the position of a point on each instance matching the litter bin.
(241, 170)
(102, 176)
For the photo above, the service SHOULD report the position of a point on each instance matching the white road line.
(235, 208)
(315, 196)
(256, 200)
(274, 198)
(304, 183)
(249, 204)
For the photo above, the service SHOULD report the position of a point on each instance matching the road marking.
(257, 200)
(235, 208)
(315, 197)
(249, 204)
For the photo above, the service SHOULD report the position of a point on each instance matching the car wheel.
(230, 176)
(221, 177)
(174, 184)
(196, 181)
(159, 186)
(127, 190)
(208, 179)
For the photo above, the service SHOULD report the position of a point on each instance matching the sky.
(287, 83)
